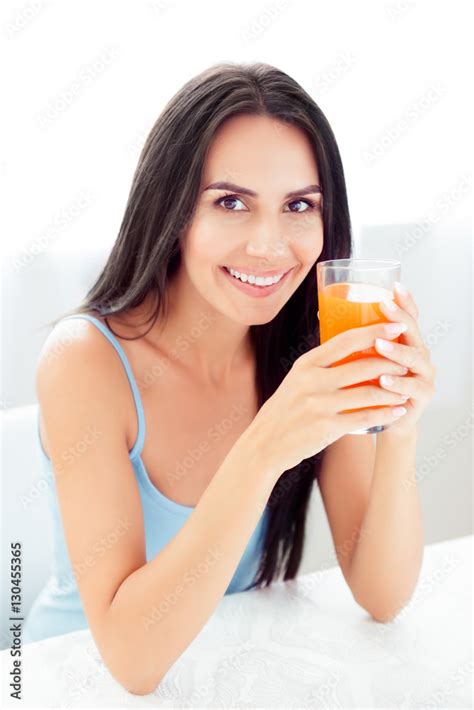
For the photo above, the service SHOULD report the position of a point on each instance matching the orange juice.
(352, 305)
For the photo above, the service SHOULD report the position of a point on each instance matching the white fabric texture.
(302, 644)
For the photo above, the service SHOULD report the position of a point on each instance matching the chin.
(253, 320)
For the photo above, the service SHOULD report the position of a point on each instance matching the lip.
(256, 291)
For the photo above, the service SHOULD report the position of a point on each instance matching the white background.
(391, 76)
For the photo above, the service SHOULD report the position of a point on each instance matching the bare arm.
(82, 387)
(189, 576)
(387, 559)
(370, 495)
(344, 482)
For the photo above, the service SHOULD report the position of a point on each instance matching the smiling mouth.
(261, 281)
(255, 289)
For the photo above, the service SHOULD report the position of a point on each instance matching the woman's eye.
(227, 199)
(308, 203)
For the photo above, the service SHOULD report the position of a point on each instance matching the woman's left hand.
(418, 384)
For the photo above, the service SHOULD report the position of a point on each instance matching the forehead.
(261, 153)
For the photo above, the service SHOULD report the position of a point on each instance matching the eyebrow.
(245, 190)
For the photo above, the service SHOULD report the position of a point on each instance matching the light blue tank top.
(58, 609)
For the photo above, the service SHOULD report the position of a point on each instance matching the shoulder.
(69, 342)
(76, 355)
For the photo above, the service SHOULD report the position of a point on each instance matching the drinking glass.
(349, 292)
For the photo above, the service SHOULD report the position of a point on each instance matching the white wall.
(87, 81)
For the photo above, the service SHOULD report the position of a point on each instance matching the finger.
(394, 312)
(367, 418)
(363, 396)
(405, 299)
(367, 368)
(351, 341)
(412, 357)
(413, 387)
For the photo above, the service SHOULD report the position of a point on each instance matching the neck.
(211, 346)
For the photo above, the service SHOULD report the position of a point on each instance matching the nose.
(268, 244)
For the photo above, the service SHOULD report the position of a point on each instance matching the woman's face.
(262, 234)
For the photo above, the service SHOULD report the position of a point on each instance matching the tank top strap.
(138, 446)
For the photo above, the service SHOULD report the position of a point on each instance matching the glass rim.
(374, 264)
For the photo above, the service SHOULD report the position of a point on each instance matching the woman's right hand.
(303, 415)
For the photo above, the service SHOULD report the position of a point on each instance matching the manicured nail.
(390, 305)
(401, 288)
(384, 345)
(399, 411)
(395, 328)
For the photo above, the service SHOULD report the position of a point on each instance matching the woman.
(210, 289)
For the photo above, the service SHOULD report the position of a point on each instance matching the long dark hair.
(147, 251)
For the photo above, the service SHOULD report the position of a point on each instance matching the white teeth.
(256, 280)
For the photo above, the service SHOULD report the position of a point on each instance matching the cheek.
(304, 227)
(307, 245)
(204, 244)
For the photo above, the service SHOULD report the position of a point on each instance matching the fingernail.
(389, 305)
(395, 328)
(401, 288)
(384, 345)
(399, 411)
